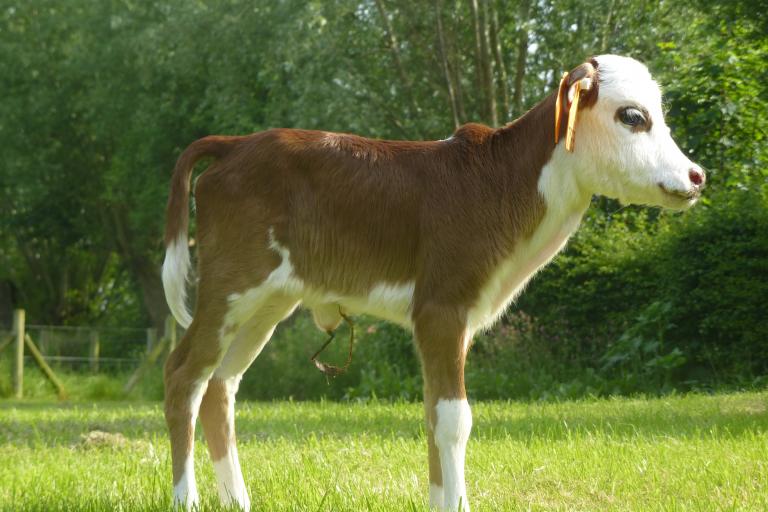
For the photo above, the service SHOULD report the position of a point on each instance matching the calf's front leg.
(442, 340)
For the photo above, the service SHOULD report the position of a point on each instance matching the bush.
(691, 288)
(641, 302)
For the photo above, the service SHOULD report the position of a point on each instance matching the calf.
(438, 237)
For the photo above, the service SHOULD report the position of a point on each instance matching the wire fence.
(91, 349)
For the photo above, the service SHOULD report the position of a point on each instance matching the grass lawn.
(676, 453)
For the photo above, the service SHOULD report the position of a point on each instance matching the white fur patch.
(198, 392)
(283, 277)
(229, 476)
(230, 483)
(391, 302)
(251, 337)
(185, 491)
(454, 423)
(566, 204)
(175, 271)
(243, 306)
(394, 297)
(612, 159)
(436, 501)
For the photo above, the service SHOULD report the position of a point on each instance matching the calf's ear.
(586, 75)
(578, 89)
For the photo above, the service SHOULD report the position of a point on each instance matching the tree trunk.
(501, 75)
(488, 63)
(483, 63)
(454, 60)
(446, 68)
(522, 55)
(147, 274)
(394, 48)
(607, 27)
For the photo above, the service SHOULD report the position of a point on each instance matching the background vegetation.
(100, 97)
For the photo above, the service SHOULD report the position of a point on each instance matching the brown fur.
(213, 416)
(354, 212)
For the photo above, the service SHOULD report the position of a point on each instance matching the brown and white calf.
(437, 236)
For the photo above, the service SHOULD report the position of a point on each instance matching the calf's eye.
(631, 116)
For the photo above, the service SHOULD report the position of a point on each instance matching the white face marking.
(633, 166)
(609, 159)
(454, 423)
(175, 271)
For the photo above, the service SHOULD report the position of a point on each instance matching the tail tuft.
(175, 272)
(176, 264)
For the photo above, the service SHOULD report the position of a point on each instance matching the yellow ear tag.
(559, 105)
(571, 133)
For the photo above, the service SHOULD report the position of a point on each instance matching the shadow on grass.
(724, 416)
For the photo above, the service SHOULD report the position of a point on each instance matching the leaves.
(100, 97)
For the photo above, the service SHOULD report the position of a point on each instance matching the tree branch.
(501, 76)
(522, 55)
(446, 68)
(394, 48)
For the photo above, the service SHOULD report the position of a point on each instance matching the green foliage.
(639, 358)
(680, 305)
(100, 97)
(384, 363)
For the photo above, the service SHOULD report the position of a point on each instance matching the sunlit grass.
(675, 453)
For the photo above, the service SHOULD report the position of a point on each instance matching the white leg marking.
(436, 501)
(185, 491)
(229, 476)
(230, 481)
(454, 422)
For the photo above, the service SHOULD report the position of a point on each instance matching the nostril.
(696, 176)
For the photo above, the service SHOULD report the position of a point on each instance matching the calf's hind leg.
(187, 371)
(217, 412)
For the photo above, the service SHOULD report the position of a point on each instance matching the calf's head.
(623, 148)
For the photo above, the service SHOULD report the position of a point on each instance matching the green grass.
(675, 453)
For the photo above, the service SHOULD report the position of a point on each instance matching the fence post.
(95, 348)
(18, 366)
(151, 339)
(44, 342)
(170, 332)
